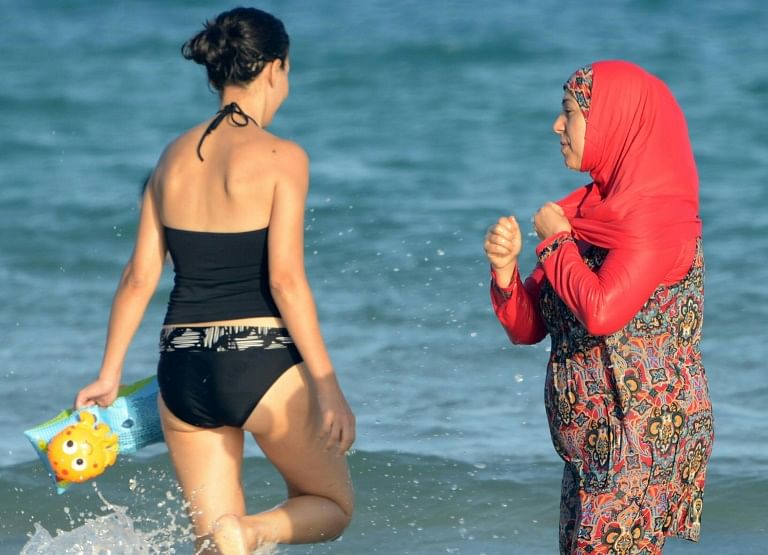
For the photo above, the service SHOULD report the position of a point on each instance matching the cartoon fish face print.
(82, 451)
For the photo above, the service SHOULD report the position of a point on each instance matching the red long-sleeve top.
(604, 301)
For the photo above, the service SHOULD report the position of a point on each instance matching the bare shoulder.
(290, 161)
(290, 151)
(290, 154)
(179, 145)
(188, 139)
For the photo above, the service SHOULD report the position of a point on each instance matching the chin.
(571, 165)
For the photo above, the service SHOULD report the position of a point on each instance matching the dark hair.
(236, 46)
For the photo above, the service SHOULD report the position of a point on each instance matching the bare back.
(232, 190)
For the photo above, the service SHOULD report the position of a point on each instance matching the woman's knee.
(345, 501)
(347, 506)
(342, 520)
(338, 515)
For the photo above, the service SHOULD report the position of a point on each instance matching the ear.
(272, 70)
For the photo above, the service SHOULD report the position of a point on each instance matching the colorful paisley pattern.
(631, 417)
(580, 86)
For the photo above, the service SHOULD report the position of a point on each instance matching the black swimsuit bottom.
(215, 376)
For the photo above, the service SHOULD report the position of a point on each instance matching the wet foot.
(266, 549)
(228, 536)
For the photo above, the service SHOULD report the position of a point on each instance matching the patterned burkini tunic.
(631, 416)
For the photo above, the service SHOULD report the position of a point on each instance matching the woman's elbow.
(601, 324)
(530, 338)
(285, 285)
(528, 333)
(135, 280)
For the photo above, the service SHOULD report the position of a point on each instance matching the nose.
(559, 124)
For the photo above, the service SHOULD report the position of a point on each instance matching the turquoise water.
(425, 121)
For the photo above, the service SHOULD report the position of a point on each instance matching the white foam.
(266, 549)
(113, 533)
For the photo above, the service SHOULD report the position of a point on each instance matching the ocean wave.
(406, 503)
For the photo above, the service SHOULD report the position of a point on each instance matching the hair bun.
(219, 50)
(236, 45)
(207, 47)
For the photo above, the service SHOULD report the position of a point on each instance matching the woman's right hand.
(503, 243)
(102, 392)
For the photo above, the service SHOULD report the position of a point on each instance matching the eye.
(79, 464)
(69, 447)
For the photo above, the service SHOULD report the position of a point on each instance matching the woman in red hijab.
(619, 289)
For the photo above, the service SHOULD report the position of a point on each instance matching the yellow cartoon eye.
(69, 447)
(79, 464)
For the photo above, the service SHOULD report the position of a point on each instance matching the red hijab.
(645, 189)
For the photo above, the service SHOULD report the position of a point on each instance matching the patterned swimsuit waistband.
(223, 338)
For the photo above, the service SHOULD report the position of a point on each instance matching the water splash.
(114, 533)
(266, 549)
(109, 534)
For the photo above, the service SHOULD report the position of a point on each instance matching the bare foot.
(228, 536)
(266, 549)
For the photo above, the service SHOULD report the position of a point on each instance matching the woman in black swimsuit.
(241, 348)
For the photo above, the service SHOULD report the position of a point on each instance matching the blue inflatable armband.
(77, 445)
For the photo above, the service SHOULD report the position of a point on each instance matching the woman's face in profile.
(571, 127)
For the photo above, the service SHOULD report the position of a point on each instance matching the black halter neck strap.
(236, 116)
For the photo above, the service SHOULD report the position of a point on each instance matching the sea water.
(425, 121)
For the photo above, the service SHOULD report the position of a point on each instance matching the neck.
(252, 104)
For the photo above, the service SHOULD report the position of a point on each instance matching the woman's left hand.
(338, 421)
(550, 220)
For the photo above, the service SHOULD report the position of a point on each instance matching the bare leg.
(287, 425)
(207, 464)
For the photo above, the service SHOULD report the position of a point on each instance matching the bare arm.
(292, 293)
(134, 291)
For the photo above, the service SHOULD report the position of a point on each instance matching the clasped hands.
(503, 241)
